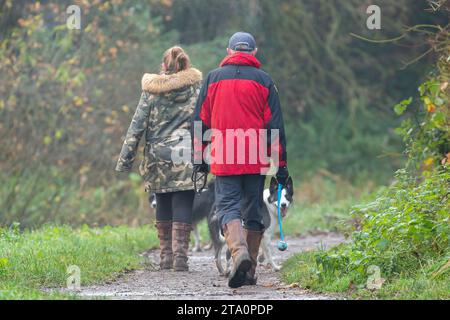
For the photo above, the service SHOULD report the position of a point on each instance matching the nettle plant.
(427, 134)
(406, 229)
(406, 224)
(409, 222)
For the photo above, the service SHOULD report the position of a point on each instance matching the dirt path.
(204, 282)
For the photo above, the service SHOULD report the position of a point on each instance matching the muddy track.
(203, 281)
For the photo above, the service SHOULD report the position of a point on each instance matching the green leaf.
(47, 140)
(434, 87)
(438, 101)
(439, 119)
(3, 262)
(422, 89)
(382, 245)
(400, 107)
(58, 134)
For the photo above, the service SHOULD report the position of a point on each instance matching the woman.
(166, 106)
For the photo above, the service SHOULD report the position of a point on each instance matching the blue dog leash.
(282, 245)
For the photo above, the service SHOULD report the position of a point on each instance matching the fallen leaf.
(431, 107)
(446, 159)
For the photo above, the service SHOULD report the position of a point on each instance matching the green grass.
(32, 260)
(204, 233)
(302, 269)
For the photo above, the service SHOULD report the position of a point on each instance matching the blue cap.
(242, 41)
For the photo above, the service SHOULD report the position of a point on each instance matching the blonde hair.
(175, 59)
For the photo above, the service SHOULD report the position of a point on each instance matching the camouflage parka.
(164, 111)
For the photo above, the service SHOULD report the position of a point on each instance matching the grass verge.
(399, 249)
(32, 260)
(303, 269)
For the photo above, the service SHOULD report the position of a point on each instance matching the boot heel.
(239, 275)
(237, 279)
(245, 264)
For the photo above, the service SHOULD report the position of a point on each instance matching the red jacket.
(238, 95)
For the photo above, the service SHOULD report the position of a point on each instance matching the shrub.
(405, 225)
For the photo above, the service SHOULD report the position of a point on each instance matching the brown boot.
(180, 234)
(253, 242)
(165, 243)
(235, 238)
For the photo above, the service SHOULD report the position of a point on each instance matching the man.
(239, 99)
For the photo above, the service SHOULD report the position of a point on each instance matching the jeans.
(240, 197)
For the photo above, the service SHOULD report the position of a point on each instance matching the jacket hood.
(241, 59)
(163, 83)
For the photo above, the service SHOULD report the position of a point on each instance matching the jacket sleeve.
(134, 134)
(201, 122)
(274, 120)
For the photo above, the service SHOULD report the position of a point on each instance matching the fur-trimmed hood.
(162, 83)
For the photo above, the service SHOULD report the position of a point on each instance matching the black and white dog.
(270, 220)
(203, 203)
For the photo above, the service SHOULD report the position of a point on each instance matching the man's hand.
(199, 176)
(282, 175)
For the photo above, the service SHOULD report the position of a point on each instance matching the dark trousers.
(240, 197)
(175, 206)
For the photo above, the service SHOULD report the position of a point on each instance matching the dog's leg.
(197, 247)
(262, 252)
(268, 241)
(267, 251)
(228, 265)
(265, 248)
(275, 266)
